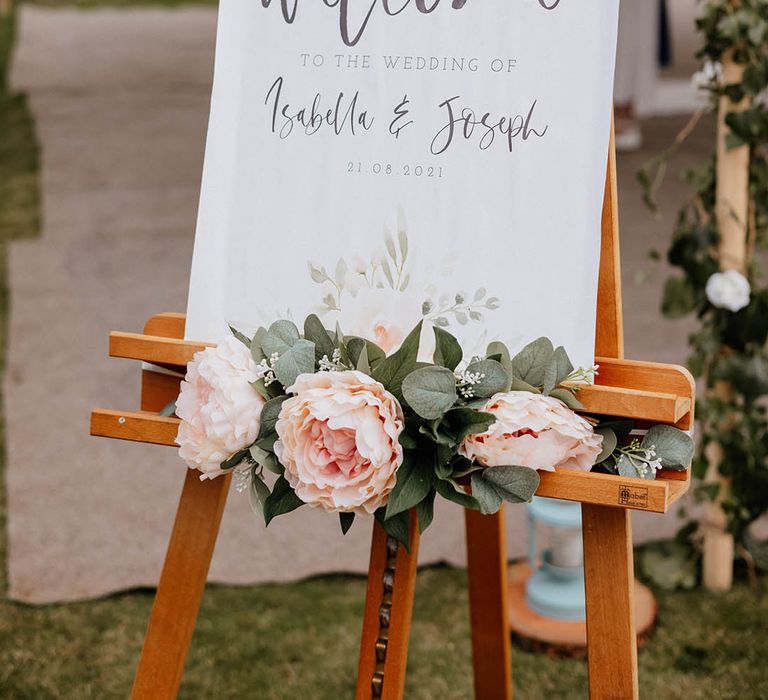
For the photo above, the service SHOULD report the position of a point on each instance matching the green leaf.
(499, 348)
(398, 526)
(258, 493)
(485, 493)
(610, 442)
(413, 483)
(280, 338)
(244, 339)
(451, 491)
(269, 415)
(495, 378)
(266, 459)
(531, 362)
(315, 331)
(430, 391)
(674, 447)
(425, 511)
(558, 368)
(513, 484)
(362, 364)
(283, 499)
(462, 422)
(394, 369)
(234, 460)
(298, 359)
(346, 520)
(568, 398)
(448, 352)
(256, 351)
(627, 467)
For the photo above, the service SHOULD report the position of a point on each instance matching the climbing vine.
(729, 348)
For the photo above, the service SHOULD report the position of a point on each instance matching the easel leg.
(387, 617)
(181, 587)
(487, 565)
(610, 585)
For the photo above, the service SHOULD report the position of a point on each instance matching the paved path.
(120, 100)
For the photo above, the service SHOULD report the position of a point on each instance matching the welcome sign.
(378, 162)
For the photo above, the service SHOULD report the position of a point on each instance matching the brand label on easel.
(383, 161)
(633, 496)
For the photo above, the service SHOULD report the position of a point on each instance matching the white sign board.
(382, 161)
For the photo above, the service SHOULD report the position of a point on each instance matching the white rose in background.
(728, 290)
(338, 440)
(709, 77)
(219, 409)
(535, 431)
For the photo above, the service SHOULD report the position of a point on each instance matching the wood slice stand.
(647, 392)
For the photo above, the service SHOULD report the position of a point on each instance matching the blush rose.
(338, 439)
(535, 431)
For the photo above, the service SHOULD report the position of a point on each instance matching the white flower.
(219, 409)
(728, 290)
(709, 77)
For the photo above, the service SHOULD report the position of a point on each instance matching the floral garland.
(346, 428)
(731, 345)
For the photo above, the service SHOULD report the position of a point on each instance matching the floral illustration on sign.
(368, 293)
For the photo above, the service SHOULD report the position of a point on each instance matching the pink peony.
(338, 441)
(219, 409)
(534, 431)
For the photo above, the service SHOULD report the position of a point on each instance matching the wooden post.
(491, 642)
(387, 616)
(181, 587)
(610, 591)
(732, 211)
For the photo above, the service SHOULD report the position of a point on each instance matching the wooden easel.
(647, 392)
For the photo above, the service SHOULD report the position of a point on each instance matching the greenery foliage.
(443, 403)
(729, 349)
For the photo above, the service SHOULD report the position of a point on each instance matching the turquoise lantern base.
(555, 589)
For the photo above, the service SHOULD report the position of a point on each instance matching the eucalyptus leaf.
(557, 370)
(486, 494)
(244, 339)
(568, 398)
(610, 442)
(513, 484)
(626, 466)
(258, 493)
(425, 511)
(315, 331)
(234, 460)
(451, 491)
(672, 446)
(269, 415)
(283, 499)
(493, 378)
(258, 338)
(394, 369)
(280, 338)
(430, 391)
(531, 362)
(362, 364)
(448, 352)
(462, 422)
(398, 526)
(413, 483)
(298, 359)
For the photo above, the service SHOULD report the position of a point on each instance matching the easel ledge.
(627, 389)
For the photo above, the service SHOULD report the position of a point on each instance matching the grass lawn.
(300, 640)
